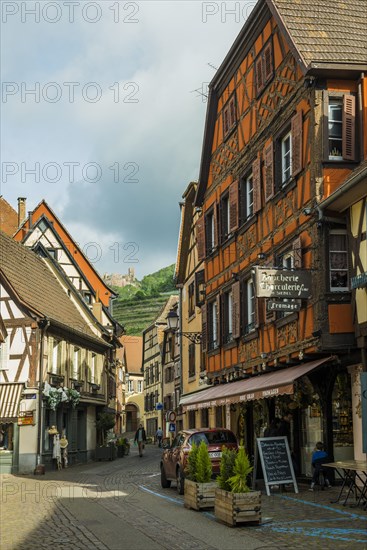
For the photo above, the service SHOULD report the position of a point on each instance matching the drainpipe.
(43, 325)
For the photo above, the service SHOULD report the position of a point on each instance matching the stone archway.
(132, 417)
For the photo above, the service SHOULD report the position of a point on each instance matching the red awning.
(265, 385)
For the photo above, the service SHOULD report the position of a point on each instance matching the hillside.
(136, 307)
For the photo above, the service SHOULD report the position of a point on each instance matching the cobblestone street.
(120, 505)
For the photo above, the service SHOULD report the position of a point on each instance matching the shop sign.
(25, 418)
(282, 283)
(359, 281)
(274, 305)
(30, 396)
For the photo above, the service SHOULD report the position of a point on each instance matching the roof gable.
(38, 289)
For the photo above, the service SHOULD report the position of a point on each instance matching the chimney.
(21, 210)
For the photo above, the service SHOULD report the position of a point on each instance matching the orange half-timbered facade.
(285, 127)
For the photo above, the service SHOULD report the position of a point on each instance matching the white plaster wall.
(356, 412)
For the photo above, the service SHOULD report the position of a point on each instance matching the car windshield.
(213, 438)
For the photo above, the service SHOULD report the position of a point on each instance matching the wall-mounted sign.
(282, 283)
(25, 418)
(159, 406)
(30, 396)
(172, 427)
(359, 281)
(170, 416)
(274, 305)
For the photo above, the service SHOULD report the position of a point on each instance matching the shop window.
(338, 261)
(342, 418)
(340, 143)
(192, 423)
(219, 416)
(204, 418)
(192, 359)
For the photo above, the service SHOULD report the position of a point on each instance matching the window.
(225, 217)
(192, 419)
(335, 129)
(247, 197)
(229, 116)
(204, 418)
(76, 363)
(191, 299)
(156, 368)
(211, 235)
(93, 364)
(140, 386)
(248, 306)
(130, 386)
(341, 127)
(4, 357)
(192, 360)
(286, 158)
(264, 67)
(213, 324)
(338, 261)
(55, 350)
(53, 253)
(228, 316)
(200, 287)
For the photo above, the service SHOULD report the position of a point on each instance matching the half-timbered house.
(53, 362)
(285, 128)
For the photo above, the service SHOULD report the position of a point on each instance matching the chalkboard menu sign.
(276, 462)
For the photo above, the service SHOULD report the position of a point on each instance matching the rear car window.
(213, 438)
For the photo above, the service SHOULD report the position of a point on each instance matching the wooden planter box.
(233, 508)
(106, 453)
(199, 495)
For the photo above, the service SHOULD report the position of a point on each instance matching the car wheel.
(165, 483)
(180, 481)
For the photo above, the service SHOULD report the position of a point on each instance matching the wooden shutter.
(226, 124)
(232, 112)
(297, 253)
(200, 237)
(296, 130)
(259, 74)
(217, 320)
(236, 300)
(349, 127)
(204, 327)
(269, 171)
(256, 183)
(268, 62)
(215, 225)
(233, 206)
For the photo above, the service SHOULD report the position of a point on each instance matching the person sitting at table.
(319, 457)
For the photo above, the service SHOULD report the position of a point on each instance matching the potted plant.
(104, 423)
(120, 444)
(234, 501)
(199, 487)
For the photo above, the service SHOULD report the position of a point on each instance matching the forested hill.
(137, 306)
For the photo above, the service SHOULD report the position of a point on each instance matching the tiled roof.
(8, 218)
(326, 31)
(134, 353)
(38, 288)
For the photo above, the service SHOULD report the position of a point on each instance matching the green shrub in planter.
(203, 464)
(192, 457)
(241, 470)
(226, 471)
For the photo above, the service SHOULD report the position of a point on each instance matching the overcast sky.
(112, 133)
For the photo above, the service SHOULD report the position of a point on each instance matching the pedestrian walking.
(140, 438)
(159, 436)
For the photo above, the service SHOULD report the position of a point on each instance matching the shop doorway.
(132, 417)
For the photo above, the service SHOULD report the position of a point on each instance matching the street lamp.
(172, 324)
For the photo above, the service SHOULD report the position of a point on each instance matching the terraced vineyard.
(137, 315)
(137, 306)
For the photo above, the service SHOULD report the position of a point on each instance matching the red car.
(174, 457)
